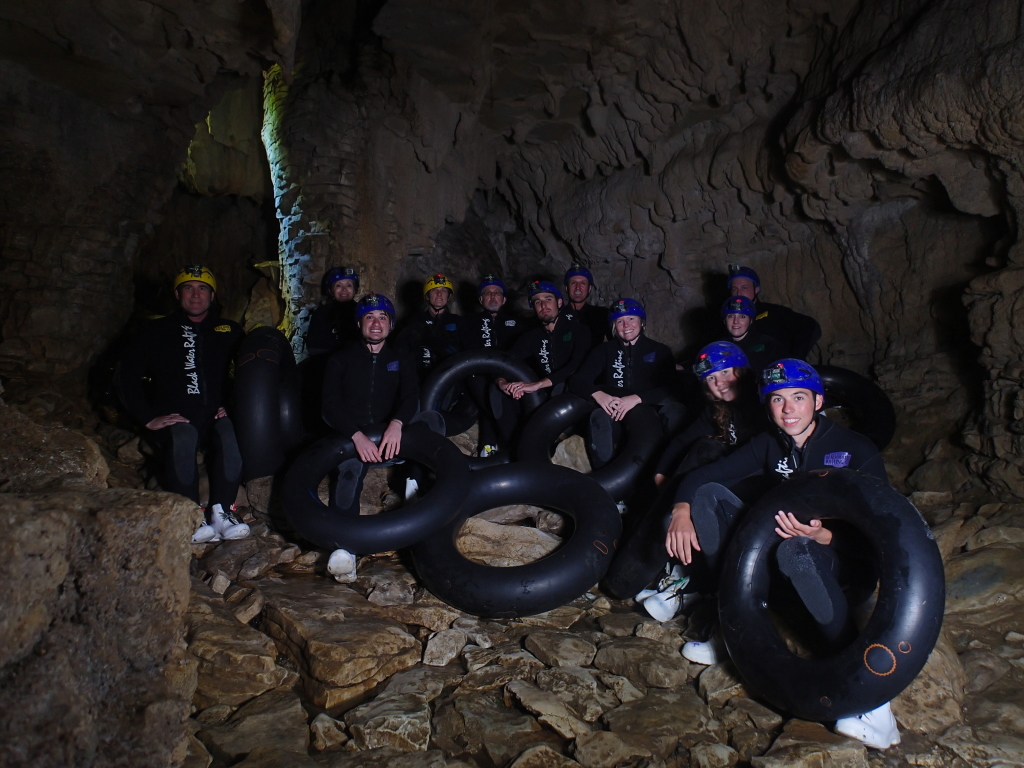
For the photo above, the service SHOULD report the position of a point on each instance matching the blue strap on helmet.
(739, 305)
(789, 373)
(718, 356)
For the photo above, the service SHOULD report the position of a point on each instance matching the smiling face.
(723, 385)
(375, 326)
(743, 286)
(737, 325)
(437, 298)
(628, 328)
(195, 298)
(546, 306)
(492, 298)
(578, 288)
(343, 290)
(793, 411)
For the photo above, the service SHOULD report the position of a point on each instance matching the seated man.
(432, 336)
(187, 356)
(815, 558)
(578, 285)
(797, 333)
(623, 373)
(761, 349)
(333, 325)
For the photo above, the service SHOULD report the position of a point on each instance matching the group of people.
(760, 423)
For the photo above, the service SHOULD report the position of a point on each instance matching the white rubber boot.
(342, 566)
(707, 653)
(411, 489)
(226, 525)
(204, 534)
(876, 728)
(663, 605)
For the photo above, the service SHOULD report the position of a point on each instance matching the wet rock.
(326, 733)
(619, 624)
(644, 662)
(947, 535)
(494, 676)
(572, 453)
(932, 702)
(661, 721)
(580, 691)
(623, 689)
(803, 745)
(719, 683)
(548, 708)
(342, 645)
(274, 720)
(215, 715)
(543, 757)
(662, 633)
(395, 593)
(274, 757)
(984, 746)
(939, 475)
(444, 647)
(982, 668)
(603, 749)
(501, 733)
(748, 741)
(401, 721)
(196, 755)
(506, 654)
(561, 649)
(249, 608)
(504, 545)
(229, 556)
(236, 663)
(1000, 534)
(758, 714)
(708, 755)
(387, 757)
(562, 617)
(427, 611)
(985, 591)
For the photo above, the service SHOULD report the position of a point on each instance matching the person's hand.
(165, 421)
(624, 405)
(365, 448)
(391, 442)
(533, 386)
(681, 539)
(789, 526)
(508, 387)
(221, 413)
(604, 400)
(659, 479)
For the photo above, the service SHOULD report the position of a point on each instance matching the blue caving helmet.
(746, 272)
(624, 308)
(543, 286)
(372, 301)
(739, 305)
(342, 273)
(490, 280)
(789, 373)
(578, 270)
(718, 356)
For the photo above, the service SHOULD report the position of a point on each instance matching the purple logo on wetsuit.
(837, 459)
(393, 366)
(649, 357)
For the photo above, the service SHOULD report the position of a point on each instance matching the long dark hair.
(743, 414)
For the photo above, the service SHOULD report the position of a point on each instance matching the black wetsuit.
(593, 317)
(795, 332)
(761, 349)
(430, 338)
(332, 327)
(482, 330)
(645, 368)
(745, 421)
(557, 354)
(188, 365)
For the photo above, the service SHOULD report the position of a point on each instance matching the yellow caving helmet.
(197, 273)
(437, 281)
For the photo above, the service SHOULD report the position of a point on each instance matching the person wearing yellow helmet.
(187, 355)
(433, 335)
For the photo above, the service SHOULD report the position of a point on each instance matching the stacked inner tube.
(870, 410)
(455, 370)
(268, 413)
(643, 430)
(904, 625)
(535, 587)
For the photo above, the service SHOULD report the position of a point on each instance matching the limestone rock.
(604, 749)
(984, 746)
(667, 634)
(342, 644)
(401, 721)
(710, 755)
(580, 690)
(548, 708)
(236, 663)
(572, 453)
(424, 612)
(661, 721)
(719, 683)
(985, 590)
(760, 716)
(387, 757)
(619, 624)
(996, 535)
(811, 744)
(623, 689)
(982, 668)
(543, 757)
(562, 617)
(561, 649)
(497, 731)
(325, 732)
(504, 545)
(947, 536)
(444, 647)
(643, 662)
(274, 757)
(932, 702)
(273, 720)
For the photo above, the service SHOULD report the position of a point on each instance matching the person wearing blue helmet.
(579, 284)
(738, 313)
(796, 333)
(368, 383)
(620, 374)
(332, 325)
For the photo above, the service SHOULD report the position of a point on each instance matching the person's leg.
(181, 471)
(812, 569)
(601, 438)
(349, 485)
(479, 388)
(506, 414)
(714, 512)
(673, 414)
(225, 468)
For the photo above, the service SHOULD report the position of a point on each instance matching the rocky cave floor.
(295, 669)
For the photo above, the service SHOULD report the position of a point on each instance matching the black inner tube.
(536, 587)
(643, 429)
(331, 528)
(904, 625)
(456, 369)
(870, 410)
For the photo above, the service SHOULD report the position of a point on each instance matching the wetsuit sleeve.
(130, 370)
(584, 381)
(661, 378)
(408, 390)
(334, 410)
(319, 338)
(873, 465)
(680, 444)
(742, 463)
(580, 347)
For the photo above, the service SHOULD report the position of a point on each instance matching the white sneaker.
(342, 566)
(411, 489)
(675, 580)
(707, 653)
(226, 525)
(621, 506)
(204, 534)
(487, 451)
(643, 594)
(876, 728)
(663, 605)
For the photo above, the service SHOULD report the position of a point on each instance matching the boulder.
(662, 720)
(504, 545)
(561, 649)
(275, 720)
(985, 592)
(933, 701)
(811, 745)
(548, 708)
(644, 662)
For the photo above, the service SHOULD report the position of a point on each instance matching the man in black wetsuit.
(369, 384)
(578, 285)
(623, 373)
(797, 333)
(187, 356)
(761, 350)
(432, 336)
(495, 327)
(333, 324)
